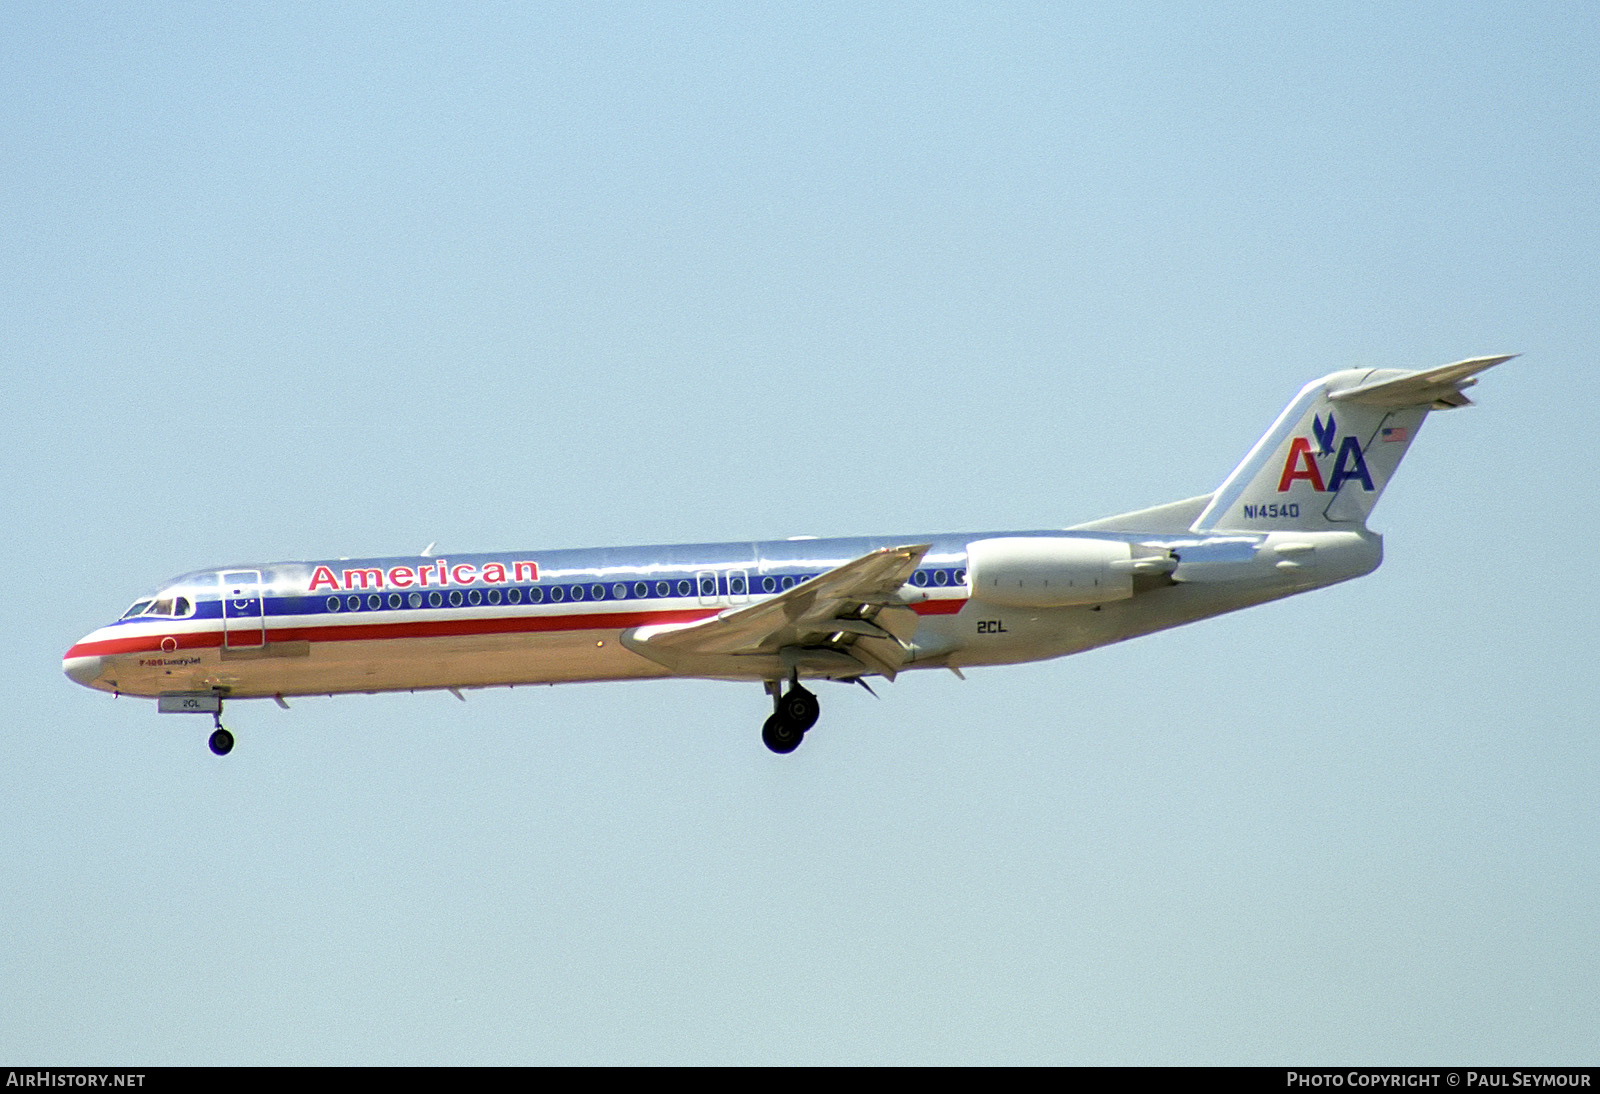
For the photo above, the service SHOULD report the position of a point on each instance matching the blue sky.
(282, 283)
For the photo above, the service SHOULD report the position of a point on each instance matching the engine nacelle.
(1050, 571)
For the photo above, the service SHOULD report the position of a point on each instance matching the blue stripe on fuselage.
(568, 569)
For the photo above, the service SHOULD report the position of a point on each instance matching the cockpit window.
(168, 606)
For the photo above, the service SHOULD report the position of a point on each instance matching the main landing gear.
(794, 712)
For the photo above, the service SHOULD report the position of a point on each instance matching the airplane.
(1290, 518)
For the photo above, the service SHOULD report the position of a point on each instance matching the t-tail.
(1325, 461)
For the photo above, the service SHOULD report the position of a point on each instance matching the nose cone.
(81, 669)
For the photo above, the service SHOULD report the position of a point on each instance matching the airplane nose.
(81, 670)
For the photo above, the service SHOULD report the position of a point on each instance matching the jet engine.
(1058, 571)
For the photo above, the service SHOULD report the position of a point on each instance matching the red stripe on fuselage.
(432, 628)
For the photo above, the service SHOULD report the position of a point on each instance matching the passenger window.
(920, 577)
(663, 588)
(455, 598)
(514, 596)
(769, 584)
(788, 582)
(374, 601)
(353, 603)
(395, 600)
(435, 600)
(416, 600)
(598, 592)
(556, 594)
(684, 587)
(619, 591)
(940, 577)
(333, 603)
(494, 596)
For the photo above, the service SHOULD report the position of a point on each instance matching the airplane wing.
(1439, 387)
(847, 621)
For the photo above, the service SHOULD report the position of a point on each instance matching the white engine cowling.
(1049, 571)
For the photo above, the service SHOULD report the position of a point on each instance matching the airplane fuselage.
(544, 617)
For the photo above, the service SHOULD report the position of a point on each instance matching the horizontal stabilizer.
(1439, 388)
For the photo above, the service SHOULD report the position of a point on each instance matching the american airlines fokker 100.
(1290, 518)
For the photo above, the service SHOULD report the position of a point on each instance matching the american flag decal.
(1395, 433)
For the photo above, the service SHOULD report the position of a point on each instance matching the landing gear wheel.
(221, 742)
(799, 708)
(780, 735)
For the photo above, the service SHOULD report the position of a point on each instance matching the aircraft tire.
(221, 742)
(780, 735)
(800, 708)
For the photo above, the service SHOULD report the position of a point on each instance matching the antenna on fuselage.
(427, 552)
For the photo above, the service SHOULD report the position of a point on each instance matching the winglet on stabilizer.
(1438, 388)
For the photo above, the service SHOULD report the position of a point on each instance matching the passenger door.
(244, 621)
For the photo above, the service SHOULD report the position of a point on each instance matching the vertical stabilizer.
(1325, 461)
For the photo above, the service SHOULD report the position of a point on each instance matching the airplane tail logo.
(1302, 465)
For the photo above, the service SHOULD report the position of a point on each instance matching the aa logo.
(1302, 463)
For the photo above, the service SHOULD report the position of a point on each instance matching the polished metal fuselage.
(368, 625)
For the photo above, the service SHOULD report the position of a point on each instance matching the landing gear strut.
(794, 712)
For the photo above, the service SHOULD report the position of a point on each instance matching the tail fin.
(1326, 460)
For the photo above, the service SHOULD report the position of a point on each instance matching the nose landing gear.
(199, 702)
(794, 711)
(221, 741)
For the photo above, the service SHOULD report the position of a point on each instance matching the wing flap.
(850, 606)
